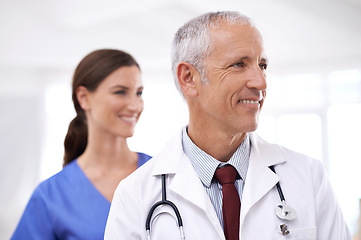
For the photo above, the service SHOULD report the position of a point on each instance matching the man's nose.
(257, 79)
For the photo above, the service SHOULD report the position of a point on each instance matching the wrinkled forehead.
(225, 31)
(235, 41)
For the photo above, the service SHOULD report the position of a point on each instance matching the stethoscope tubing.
(164, 201)
(283, 211)
(278, 186)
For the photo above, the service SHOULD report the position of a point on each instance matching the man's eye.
(263, 66)
(140, 93)
(238, 64)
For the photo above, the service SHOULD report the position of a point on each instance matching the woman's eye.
(140, 93)
(120, 92)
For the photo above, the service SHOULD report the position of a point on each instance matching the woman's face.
(116, 105)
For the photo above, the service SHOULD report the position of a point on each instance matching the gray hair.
(192, 42)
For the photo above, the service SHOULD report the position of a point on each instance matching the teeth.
(129, 119)
(249, 101)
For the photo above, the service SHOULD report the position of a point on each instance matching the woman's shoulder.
(144, 155)
(59, 180)
(142, 158)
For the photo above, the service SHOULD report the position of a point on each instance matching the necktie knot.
(226, 175)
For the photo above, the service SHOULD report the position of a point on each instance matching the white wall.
(307, 43)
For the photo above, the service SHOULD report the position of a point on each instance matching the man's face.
(235, 69)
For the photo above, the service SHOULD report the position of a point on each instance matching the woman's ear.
(187, 77)
(82, 95)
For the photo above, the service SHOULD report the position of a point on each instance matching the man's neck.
(218, 144)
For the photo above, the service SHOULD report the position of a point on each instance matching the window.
(320, 115)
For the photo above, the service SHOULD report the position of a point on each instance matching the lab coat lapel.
(188, 186)
(260, 179)
(185, 183)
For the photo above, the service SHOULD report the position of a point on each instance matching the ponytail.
(76, 139)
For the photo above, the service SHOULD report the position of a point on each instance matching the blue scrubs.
(66, 206)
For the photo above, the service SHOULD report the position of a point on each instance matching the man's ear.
(187, 76)
(82, 95)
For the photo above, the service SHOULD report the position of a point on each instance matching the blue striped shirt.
(205, 165)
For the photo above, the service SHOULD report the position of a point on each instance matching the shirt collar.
(205, 165)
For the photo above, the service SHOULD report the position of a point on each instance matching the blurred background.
(313, 103)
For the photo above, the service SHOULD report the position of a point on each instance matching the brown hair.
(90, 72)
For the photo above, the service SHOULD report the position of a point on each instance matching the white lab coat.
(303, 181)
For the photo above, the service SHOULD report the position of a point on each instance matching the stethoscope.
(164, 201)
(283, 211)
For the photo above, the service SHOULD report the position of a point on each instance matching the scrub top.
(66, 206)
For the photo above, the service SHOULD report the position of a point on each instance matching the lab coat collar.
(260, 179)
(264, 153)
(186, 183)
(171, 157)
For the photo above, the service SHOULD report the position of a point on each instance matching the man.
(219, 66)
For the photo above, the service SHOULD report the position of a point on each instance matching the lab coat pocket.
(297, 234)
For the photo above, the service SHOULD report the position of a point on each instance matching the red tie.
(231, 204)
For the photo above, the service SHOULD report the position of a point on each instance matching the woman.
(74, 204)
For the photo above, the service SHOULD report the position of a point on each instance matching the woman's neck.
(112, 152)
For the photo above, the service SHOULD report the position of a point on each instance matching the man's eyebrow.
(239, 59)
(264, 60)
(244, 58)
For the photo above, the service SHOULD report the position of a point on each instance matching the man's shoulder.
(291, 157)
(139, 178)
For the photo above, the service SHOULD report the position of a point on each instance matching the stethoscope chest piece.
(285, 212)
